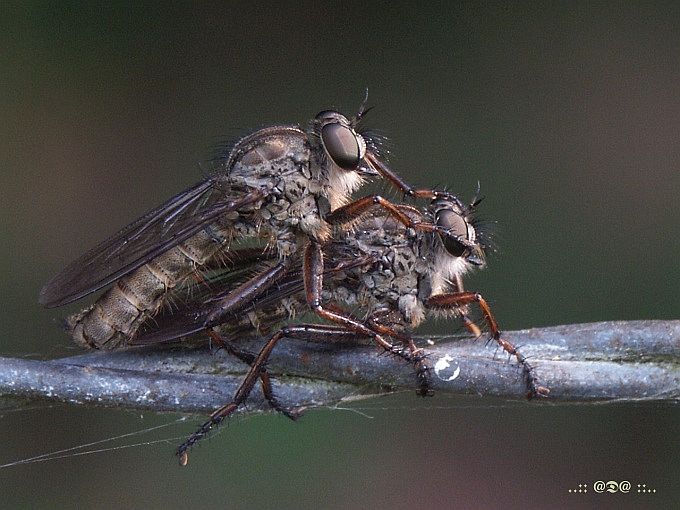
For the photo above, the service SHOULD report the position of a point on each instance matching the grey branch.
(627, 361)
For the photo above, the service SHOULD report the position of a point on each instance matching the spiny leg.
(255, 371)
(217, 339)
(245, 293)
(313, 271)
(309, 332)
(457, 299)
(399, 183)
(250, 358)
(329, 334)
(214, 310)
(463, 311)
(349, 212)
(417, 355)
(291, 412)
(469, 324)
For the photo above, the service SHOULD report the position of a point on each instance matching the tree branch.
(580, 362)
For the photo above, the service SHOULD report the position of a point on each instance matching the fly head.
(341, 143)
(460, 240)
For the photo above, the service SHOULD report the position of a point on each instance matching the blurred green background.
(567, 113)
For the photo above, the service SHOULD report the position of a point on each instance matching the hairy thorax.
(276, 162)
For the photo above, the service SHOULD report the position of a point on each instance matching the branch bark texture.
(625, 361)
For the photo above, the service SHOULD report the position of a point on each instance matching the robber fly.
(395, 275)
(283, 184)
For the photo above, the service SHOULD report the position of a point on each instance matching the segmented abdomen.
(112, 321)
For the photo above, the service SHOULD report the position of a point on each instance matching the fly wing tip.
(50, 297)
(47, 300)
(45, 296)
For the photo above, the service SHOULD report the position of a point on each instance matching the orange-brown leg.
(457, 299)
(457, 287)
(258, 370)
(313, 271)
(355, 209)
(470, 325)
(399, 183)
(417, 355)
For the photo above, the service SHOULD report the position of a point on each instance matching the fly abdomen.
(115, 317)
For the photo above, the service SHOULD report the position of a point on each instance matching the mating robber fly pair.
(290, 189)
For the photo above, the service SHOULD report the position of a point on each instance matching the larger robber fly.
(284, 184)
(394, 275)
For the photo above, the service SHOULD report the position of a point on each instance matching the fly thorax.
(422, 267)
(301, 205)
(402, 261)
(305, 215)
(269, 152)
(250, 226)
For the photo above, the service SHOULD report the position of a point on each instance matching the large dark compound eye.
(342, 145)
(456, 225)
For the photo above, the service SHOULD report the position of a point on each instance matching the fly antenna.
(476, 200)
(363, 109)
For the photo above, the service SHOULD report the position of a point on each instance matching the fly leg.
(254, 373)
(245, 293)
(221, 307)
(234, 301)
(250, 359)
(349, 212)
(417, 355)
(240, 354)
(313, 271)
(463, 311)
(458, 299)
(258, 370)
(469, 324)
(399, 183)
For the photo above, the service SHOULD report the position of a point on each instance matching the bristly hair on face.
(484, 229)
(486, 234)
(376, 142)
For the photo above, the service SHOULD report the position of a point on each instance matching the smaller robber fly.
(284, 185)
(396, 276)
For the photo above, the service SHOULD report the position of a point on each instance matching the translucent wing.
(192, 308)
(191, 313)
(149, 236)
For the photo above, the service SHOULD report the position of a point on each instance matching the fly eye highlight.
(457, 226)
(342, 145)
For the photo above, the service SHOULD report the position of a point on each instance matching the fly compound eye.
(456, 225)
(342, 145)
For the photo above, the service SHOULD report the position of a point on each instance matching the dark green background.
(567, 113)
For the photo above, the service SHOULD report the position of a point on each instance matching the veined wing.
(192, 305)
(154, 233)
(191, 313)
